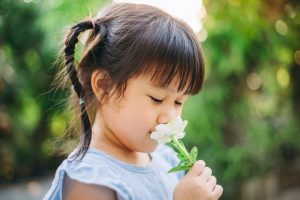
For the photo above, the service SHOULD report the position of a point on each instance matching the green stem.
(181, 148)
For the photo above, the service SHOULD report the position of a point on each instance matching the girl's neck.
(107, 142)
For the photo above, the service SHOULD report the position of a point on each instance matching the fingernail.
(201, 162)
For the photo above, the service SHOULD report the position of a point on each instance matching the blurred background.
(245, 122)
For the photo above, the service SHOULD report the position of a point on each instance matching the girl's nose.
(166, 116)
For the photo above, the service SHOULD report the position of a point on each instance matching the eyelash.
(158, 101)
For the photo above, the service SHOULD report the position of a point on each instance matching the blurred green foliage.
(244, 122)
(32, 120)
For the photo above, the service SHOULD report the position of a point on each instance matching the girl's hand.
(198, 184)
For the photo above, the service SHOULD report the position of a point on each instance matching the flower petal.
(180, 135)
(164, 132)
(162, 128)
(160, 138)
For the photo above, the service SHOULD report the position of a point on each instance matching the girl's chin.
(151, 148)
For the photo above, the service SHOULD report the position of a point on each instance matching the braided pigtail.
(70, 43)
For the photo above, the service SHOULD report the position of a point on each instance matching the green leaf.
(193, 154)
(181, 143)
(181, 156)
(172, 145)
(184, 163)
(179, 168)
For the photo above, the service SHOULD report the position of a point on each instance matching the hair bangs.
(168, 51)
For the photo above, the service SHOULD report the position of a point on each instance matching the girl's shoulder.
(98, 168)
(96, 164)
(91, 170)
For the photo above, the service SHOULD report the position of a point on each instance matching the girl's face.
(131, 119)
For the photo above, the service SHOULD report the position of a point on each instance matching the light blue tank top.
(130, 182)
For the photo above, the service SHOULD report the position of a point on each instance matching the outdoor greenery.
(244, 122)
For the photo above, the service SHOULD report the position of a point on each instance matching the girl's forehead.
(185, 78)
(158, 82)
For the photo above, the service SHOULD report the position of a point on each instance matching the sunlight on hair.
(191, 11)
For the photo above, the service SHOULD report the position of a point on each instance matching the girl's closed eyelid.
(158, 101)
(155, 100)
(178, 103)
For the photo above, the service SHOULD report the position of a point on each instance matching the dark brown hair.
(125, 41)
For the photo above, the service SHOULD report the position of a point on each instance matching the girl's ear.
(99, 84)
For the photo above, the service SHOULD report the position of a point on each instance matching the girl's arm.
(75, 190)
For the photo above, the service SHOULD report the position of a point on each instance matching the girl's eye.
(156, 101)
(178, 103)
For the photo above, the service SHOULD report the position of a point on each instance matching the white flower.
(164, 132)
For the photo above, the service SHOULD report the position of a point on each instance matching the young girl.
(138, 67)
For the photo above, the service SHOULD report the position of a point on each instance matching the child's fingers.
(197, 168)
(206, 174)
(212, 183)
(217, 192)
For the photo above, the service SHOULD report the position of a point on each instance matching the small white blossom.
(164, 132)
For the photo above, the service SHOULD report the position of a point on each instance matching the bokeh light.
(281, 27)
(235, 2)
(297, 57)
(283, 77)
(254, 81)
